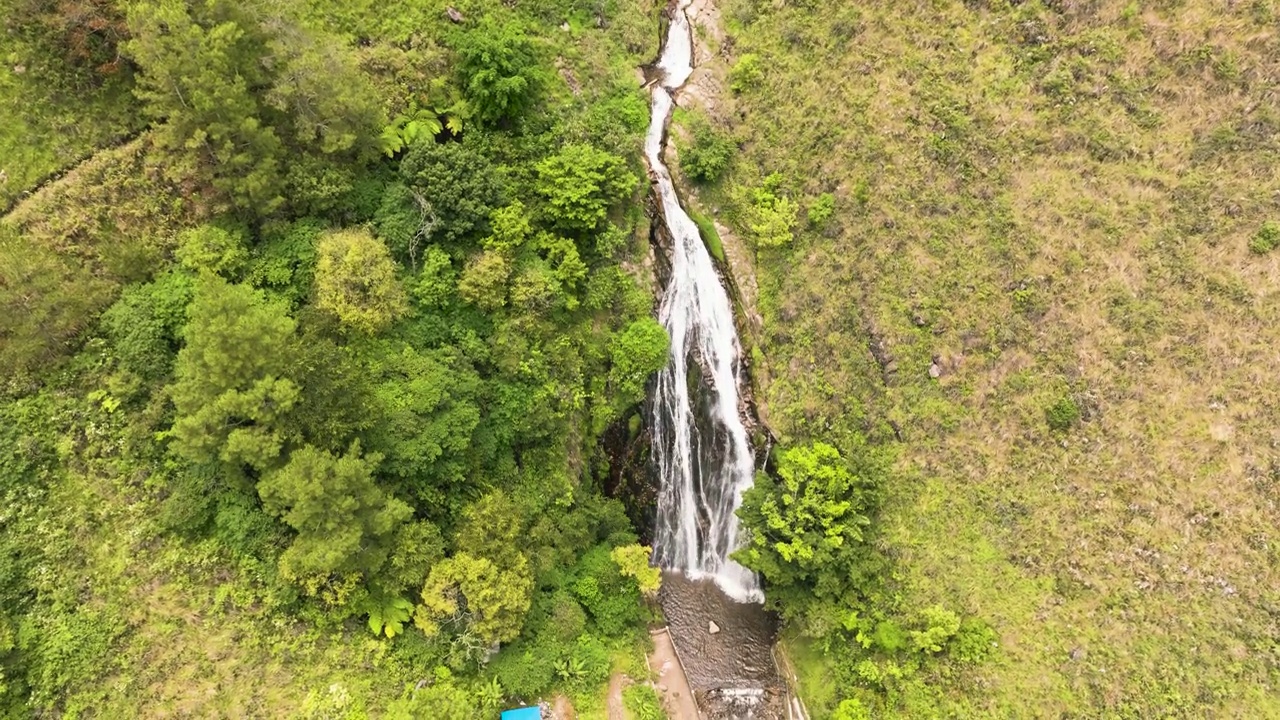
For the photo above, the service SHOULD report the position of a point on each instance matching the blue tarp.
(525, 713)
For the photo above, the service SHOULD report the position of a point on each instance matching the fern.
(387, 615)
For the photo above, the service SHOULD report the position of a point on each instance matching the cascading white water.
(701, 449)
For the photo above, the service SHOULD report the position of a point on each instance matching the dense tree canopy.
(344, 522)
(300, 386)
(806, 528)
(581, 183)
(230, 390)
(499, 70)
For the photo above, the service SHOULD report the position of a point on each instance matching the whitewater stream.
(701, 450)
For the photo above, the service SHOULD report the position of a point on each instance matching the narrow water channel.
(701, 450)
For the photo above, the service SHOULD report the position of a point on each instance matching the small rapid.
(701, 449)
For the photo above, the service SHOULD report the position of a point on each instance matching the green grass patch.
(707, 228)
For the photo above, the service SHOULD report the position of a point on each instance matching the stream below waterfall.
(701, 450)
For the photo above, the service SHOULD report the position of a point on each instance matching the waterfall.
(701, 450)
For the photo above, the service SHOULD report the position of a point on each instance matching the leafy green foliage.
(821, 210)
(475, 594)
(1063, 414)
(456, 190)
(633, 561)
(230, 388)
(974, 642)
(612, 600)
(637, 353)
(236, 88)
(345, 523)
(642, 702)
(145, 324)
(199, 78)
(940, 626)
(580, 183)
(706, 157)
(356, 281)
(440, 699)
(851, 709)
(427, 409)
(387, 615)
(281, 428)
(499, 69)
(746, 74)
(1266, 239)
(45, 301)
(807, 529)
(209, 248)
(772, 214)
(284, 260)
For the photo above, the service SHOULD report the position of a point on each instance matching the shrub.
(501, 76)
(643, 703)
(772, 215)
(940, 626)
(974, 642)
(821, 210)
(851, 709)
(889, 636)
(580, 184)
(1266, 239)
(746, 74)
(707, 155)
(524, 671)
(1063, 414)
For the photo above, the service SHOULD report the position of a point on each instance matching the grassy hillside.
(1047, 284)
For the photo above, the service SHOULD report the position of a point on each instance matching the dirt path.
(613, 702)
(672, 683)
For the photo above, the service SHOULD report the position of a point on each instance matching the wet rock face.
(731, 671)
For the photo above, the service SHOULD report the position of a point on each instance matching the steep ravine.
(702, 452)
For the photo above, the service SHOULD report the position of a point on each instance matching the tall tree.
(202, 80)
(474, 594)
(807, 529)
(345, 523)
(356, 281)
(580, 183)
(451, 185)
(230, 390)
(499, 70)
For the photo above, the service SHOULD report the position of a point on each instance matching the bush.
(851, 709)
(940, 626)
(1062, 415)
(501, 77)
(772, 215)
(612, 600)
(580, 184)
(821, 210)
(643, 703)
(524, 671)
(1266, 239)
(707, 155)
(746, 74)
(974, 642)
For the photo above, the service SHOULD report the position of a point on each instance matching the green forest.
(325, 325)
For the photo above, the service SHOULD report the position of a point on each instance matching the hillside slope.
(1047, 285)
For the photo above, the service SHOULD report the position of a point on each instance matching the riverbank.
(672, 682)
